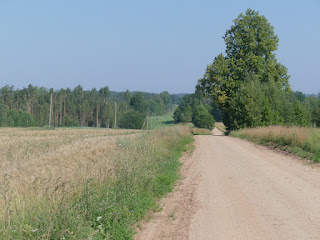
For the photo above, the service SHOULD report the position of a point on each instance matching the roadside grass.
(81, 184)
(220, 126)
(301, 141)
(201, 131)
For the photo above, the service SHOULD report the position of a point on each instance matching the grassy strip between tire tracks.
(301, 141)
(145, 168)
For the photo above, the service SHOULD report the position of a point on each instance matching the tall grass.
(302, 141)
(84, 184)
(220, 126)
(201, 131)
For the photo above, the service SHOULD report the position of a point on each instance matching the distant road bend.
(232, 189)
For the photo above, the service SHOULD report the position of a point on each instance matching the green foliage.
(19, 119)
(3, 114)
(132, 120)
(186, 109)
(187, 114)
(202, 119)
(177, 115)
(248, 84)
(264, 103)
(138, 103)
(79, 107)
(250, 46)
(314, 104)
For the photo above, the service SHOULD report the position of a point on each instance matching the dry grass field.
(39, 155)
(50, 178)
(302, 141)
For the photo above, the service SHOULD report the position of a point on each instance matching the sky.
(149, 45)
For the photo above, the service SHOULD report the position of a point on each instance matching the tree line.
(77, 107)
(249, 85)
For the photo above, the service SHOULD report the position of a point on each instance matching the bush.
(132, 120)
(20, 119)
(177, 115)
(202, 119)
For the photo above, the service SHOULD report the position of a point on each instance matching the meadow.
(84, 183)
(156, 122)
(302, 141)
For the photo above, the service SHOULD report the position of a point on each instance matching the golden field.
(53, 182)
(44, 159)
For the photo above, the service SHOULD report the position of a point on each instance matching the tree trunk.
(64, 109)
(97, 124)
(50, 110)
(60, 111)
(115, 115)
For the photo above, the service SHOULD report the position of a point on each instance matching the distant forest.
(30, 106)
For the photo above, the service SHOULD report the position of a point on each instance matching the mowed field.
(69, 183)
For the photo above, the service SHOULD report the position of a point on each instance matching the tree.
(18, 118)
(166, 99)
(3, 114)
(138, 103)
(105, 93)
(77, 107)
(250, 45)
(132, 120)
(127, 96)
(202, 119)
(177, 115)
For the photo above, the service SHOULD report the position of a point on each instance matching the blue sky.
(143, 45)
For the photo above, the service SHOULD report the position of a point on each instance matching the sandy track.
(233, 189)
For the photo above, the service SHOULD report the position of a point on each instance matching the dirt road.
(232, 189)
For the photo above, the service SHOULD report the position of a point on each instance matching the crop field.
(303, 141)
(83, 183)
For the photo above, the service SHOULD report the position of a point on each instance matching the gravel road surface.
(233, 189)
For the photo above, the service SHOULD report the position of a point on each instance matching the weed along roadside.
(93, 187)
(301, 141)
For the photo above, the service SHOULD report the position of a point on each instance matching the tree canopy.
(250, 50)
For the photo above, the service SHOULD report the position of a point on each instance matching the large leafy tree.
(250, 46)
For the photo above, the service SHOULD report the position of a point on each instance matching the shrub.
(132, 120)
(202, 119)
(20, 119)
